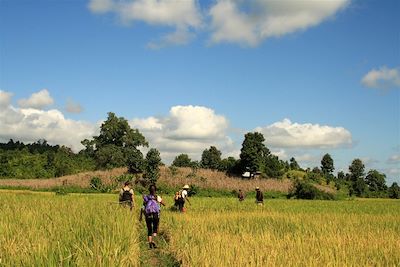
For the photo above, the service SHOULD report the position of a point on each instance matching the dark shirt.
(259, 196)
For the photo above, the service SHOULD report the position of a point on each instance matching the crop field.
(43, 229)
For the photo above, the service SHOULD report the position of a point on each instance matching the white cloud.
(186, 129)
(394, 159)
(5, 99)
(30, 125)
(250, 22)
(383, 78)
(294, 135)
(37, 100)
(182, 15)
(73, 107)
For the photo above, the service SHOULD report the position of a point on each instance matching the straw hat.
(186, 186)
(257, 188)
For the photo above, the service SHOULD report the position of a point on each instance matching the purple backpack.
(151, 205)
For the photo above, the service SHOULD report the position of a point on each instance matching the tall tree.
(357, 173)
(327, 167)
(153, 161)
(211, 158)
(115, 143)
(182, 160)
(253, 152)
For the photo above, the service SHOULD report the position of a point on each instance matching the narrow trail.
(160, 256)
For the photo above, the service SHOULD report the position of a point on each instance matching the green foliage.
(152, 171)
(253, 152)
(293, 164)
(295, 175)
(327, 165)
(305, 190)
(40, 160)
(229, 165)
(358, 186)
(182, 160)
(376, 181)
(274, 167)
(115, 144)
(211, 158)
(135, 161)
(394, 191)
(96, 183)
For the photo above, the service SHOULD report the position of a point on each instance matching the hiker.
(126, 196)
(240, 195)
(151, 210)
(259, 196)
(182, 197)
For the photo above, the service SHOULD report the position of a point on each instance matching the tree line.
(118, 145)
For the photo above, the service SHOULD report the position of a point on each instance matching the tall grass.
(287, 233)
(40, 229)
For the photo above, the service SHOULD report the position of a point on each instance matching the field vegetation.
(45, 229)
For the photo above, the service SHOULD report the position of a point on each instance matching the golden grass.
(79, 230)
(288, 233)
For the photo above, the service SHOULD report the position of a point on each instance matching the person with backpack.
(182, 197)
(151, 210)
(259, 196)
(126, 195)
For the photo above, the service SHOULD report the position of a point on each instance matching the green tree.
(153, 161)
(182, 160)
(327, 167)
(228, 164)
(394, 191)
(211, 158)
(135, 160)
(253, 152)
(376, 181)
(357, 173)
(293, 165)
(341, 176)
(114, 144)
(274, 167)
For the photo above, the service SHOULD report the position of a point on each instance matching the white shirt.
(184, 193)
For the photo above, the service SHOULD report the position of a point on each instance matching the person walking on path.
(259, 196)
(182, 197)
(126, 195)
(151, 209)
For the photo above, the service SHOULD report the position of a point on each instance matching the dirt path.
(161, 256)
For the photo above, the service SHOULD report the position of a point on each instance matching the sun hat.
(257, 188)
(186, 186)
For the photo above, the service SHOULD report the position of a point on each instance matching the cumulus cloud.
(250, 22)
(31, 124)
(37, 100)
(181, 15)
(73, 107)
(295, 135)
(382, 78)
(186, 129)
(5, 99)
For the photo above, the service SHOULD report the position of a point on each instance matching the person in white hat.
(183, 196)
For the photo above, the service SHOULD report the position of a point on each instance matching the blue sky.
(192, 74)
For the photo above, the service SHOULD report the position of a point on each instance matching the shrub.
(305, 190)
(96, 183)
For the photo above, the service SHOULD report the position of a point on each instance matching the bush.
(305, 190)
(96, 183)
